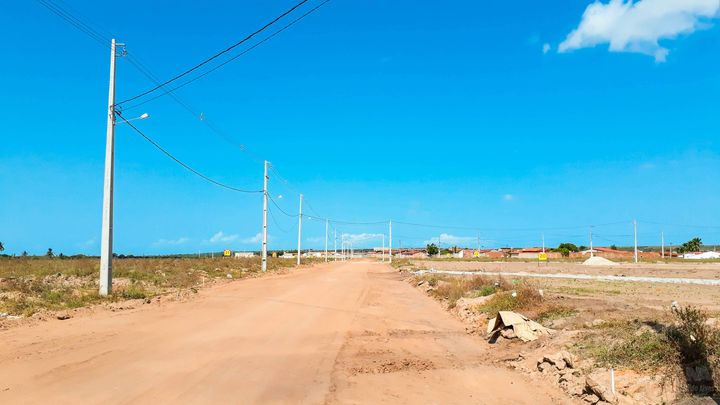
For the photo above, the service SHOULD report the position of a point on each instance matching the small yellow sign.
(542, 257)
(476, 254)
(227, 253)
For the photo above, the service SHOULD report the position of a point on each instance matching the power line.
(680, 226)
(169, 91)
(76, 22)
(181, 163)
(217, 55)
(470, 228)
(272, 216)
(280, 208)
(103, 40)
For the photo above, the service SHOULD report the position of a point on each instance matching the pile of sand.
(599, 261)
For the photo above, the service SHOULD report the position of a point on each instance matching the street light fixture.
(144, 116)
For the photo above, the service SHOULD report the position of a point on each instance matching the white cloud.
(508, 197)
(447, 239)
(360, 237)
(546, 48)
(171, 242)
(629, 26)
(87, 244)
(257, 238)
(221, 237)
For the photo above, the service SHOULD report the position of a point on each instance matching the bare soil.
(351, 332)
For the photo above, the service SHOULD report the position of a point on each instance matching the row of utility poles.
(106, 244)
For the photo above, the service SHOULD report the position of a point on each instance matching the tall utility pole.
(265, 210)
(390, 242)
(334, 244)
(635, 238)
(662, 244)
(299, 230)
(327, 225)
(478, 242)
(542, 236)
(591, 247)
(106, 244)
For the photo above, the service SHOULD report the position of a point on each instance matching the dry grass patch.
(29, 285)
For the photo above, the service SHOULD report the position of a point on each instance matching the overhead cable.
(215, 56)
(207, 72)
(181, 163)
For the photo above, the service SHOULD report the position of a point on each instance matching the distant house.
(239, 255)
(700, 256)
(527, 253)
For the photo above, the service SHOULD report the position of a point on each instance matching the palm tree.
(694, 244)
(50, 253)
(2, 248)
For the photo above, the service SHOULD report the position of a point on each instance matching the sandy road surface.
(339, 333)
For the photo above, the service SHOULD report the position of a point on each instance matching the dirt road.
(339, 333)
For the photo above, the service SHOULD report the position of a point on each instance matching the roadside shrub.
(628, 344)
(525, 298)
(692, 337)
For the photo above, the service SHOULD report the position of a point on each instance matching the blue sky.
(507, 119)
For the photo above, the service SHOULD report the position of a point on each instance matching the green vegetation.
(693, 245)
(566, 248)
(32, 284)
(432, 249)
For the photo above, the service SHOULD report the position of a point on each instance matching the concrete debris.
(603, 392)
(590, 398)
(522, 327)
(63, 317)
(229, 276)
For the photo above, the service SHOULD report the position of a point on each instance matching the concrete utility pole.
(390, 243)
(334, 244)
(106, 243)
(299, 230)
(591, 246)
(327, 225)
(478, 241)
(662, 244)
(542, 236)
(265, 210)
(635, 238)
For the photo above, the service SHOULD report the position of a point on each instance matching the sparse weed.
(525, 298)
(32, 284)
